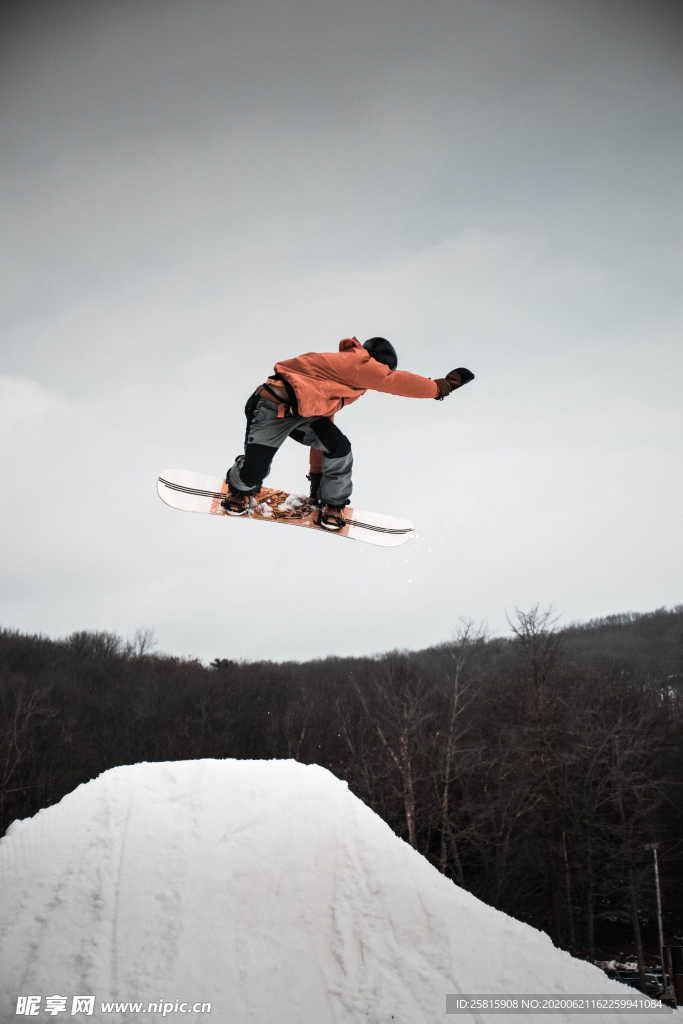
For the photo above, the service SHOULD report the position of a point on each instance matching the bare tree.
(400, 709)
(142, 643)
(466, 639)
(22, 704)
(539, 643)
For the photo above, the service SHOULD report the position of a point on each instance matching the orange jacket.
(324, 382)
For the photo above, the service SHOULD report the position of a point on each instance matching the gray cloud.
(194, 191)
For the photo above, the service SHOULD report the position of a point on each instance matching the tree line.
(535, 770)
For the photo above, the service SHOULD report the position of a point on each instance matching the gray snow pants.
(264, 435)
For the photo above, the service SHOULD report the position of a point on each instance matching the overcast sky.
(193, 191)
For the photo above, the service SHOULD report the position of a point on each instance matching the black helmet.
(383, 351)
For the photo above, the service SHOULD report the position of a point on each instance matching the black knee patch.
(256, 464)
(328, 433)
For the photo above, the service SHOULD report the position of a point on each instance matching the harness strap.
(280, 400)
(291, 393)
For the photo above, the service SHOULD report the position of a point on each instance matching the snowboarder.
(299, 400)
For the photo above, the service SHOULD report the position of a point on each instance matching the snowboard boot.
(331, 517)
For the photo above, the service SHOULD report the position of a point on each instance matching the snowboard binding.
(236, 504)
(331, 517)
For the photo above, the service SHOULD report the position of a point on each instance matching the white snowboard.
(196, 492)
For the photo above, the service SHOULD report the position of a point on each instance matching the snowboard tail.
(194, 492)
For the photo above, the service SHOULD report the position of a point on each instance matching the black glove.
(314, 495)
(454, 379)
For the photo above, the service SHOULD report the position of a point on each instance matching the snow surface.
(264, 887)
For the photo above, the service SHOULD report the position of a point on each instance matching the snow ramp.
(264, 888)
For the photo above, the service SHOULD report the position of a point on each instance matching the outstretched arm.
(377, 377)
(408, 385)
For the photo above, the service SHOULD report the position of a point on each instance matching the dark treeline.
(534, 770)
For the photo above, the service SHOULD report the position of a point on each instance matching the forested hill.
(534, 770)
